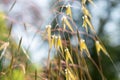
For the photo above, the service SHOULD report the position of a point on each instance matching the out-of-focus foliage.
(3, 27)
(14, 75)
(12, 62)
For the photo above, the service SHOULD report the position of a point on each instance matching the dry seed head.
(53, 36)
(66, 49)
(68, 5)
(66, 71)
(63, 18)
(83, 46)
(65, 21)
(59, 40)
(52, 40)
(97, 42)
(48, 26)
(56, 37)
(84, 23)
(86, 12)
(82, 40)
(68, 56)
(56, 40)
(85, 16)
(98, 47)
(68, 10)
(60, 43)
(83, 2)
(89, 23)
(48, 30)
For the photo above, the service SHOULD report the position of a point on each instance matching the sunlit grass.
(69, 62)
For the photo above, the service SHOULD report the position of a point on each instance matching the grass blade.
(20, 42)
(12, 6)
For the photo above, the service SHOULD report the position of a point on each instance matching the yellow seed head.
(68, 10)
(60, 43)
(83, 46)
(56, 42)
(65, 21)
(48, 29)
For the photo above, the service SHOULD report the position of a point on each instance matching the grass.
(70, 62)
